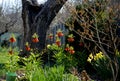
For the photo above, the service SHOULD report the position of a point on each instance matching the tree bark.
(37, 18)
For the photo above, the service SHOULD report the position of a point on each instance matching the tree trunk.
(37, 18)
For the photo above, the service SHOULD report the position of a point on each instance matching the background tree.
(37, 18)
(10, 18)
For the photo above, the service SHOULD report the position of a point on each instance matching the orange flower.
(12, 39)
(67, 49)
(35, 40)
(59, 33)
(71, 50)
(58, 43)
(27, 47)
(70, 39)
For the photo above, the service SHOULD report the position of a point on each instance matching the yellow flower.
(117, 52)
(89, 60)
(98, 56)
(91, 56)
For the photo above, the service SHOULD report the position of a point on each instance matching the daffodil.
(91, 56)
(89, 60)
(98, 56)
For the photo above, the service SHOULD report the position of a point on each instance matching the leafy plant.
(55, 73)
(63, 58)
(101, 65)
(31, 63)
(9, 61)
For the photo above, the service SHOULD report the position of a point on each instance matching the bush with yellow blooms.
(101, 64)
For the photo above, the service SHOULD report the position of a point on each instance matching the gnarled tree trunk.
(37, 18)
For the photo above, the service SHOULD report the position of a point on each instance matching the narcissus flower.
(89, 60)
(12, 38)
(91, 56)
(98, 56)
(35, 38)
(95, 57)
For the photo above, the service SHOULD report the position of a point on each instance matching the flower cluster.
(59, 34)
(69, 49)
(95, 57)
(98, 56)
(34, 40)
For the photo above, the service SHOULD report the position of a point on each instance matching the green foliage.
(4, 55)
(9, 62)
(31, 63)
(12, 65)
(55, 73)
(32, 67)
(103, 68)
(2, 70)
(101, 64)
(63, 58)
(70, 77)
(81, 57)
